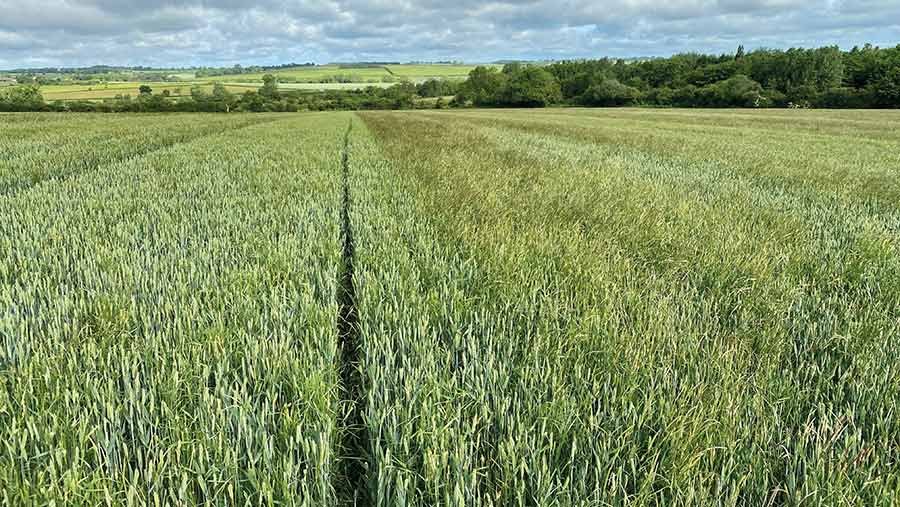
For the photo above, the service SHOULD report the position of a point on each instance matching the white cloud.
(214, 32)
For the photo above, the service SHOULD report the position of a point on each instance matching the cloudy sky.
(224, 32)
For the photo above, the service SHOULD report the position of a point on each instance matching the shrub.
(610, 92)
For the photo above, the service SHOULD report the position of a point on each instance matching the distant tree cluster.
(516, 85)
(21, 98)
(437, 88)
(866, 77)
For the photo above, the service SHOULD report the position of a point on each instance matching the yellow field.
(373, 74)
(111, 90)
(310, 74)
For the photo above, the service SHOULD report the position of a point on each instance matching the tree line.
(864, 77)
(268, 98)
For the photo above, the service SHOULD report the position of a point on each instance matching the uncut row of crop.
(553, 320)
(167, 323)
(34, 148)
(848, 155)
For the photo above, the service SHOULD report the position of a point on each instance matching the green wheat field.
(565, 307)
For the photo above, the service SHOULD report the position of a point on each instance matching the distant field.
(110, 90)
(327, 86)
(558, 307)
(374, 74)
(309, 77)
(184, 76)
(99, 92)
(421, 72)
(309, 74)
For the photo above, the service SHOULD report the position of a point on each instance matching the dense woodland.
(864, 77)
